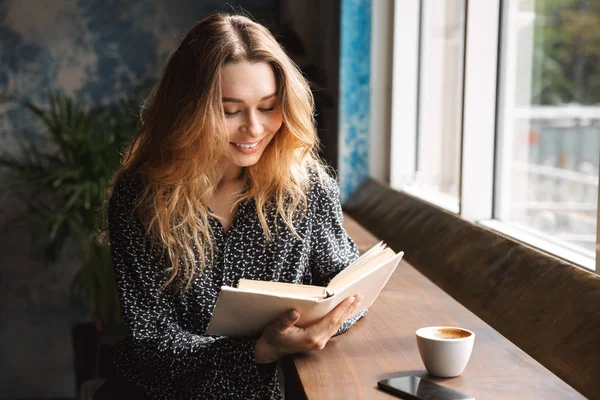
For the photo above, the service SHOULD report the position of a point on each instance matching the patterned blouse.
(166, 352)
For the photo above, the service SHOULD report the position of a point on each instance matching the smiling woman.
(253, 115)
(221, 182)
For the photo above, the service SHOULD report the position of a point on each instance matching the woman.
(221, 183)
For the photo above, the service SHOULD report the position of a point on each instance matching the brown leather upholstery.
(547, 307)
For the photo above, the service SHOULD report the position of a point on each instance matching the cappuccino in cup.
(450, 333)
(445, 350)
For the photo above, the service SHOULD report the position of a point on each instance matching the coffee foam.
(444, 333)
(450, 333)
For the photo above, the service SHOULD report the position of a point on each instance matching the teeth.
(247, 146)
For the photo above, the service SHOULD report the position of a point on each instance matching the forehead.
(248, 81)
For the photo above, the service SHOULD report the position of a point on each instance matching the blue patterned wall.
(94, 50)
(91, 49)
(355, 68)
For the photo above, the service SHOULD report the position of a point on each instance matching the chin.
(245, 161)
(248, 164)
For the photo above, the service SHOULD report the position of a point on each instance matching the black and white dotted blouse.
(166, 352)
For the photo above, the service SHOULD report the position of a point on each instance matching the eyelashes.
(262, 110)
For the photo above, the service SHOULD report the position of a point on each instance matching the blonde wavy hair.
(181, 141)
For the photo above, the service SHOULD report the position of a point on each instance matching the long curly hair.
(182, 138)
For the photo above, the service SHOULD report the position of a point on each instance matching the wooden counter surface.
(383, 345)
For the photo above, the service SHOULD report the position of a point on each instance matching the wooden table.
(383, 345)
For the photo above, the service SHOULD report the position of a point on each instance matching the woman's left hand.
(283, 337)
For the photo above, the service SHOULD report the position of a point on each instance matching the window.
(549, 120)
(440, 97)
(504, 117)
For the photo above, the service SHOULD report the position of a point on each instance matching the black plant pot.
(85, 351)
(93, 351)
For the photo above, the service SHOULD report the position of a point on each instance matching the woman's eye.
(265, 110)
(231, 113)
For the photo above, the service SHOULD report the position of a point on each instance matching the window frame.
(405, 78)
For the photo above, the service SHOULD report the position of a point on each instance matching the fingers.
(344, 310)
(331, 323)
(287, 338)
(341, 310)
(346, 315)
(351, 310)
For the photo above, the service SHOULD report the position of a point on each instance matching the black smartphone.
(417, 388)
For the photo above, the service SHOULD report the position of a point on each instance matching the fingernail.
(292, 314)
(353, 299)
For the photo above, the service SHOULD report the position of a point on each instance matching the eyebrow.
(234, 100)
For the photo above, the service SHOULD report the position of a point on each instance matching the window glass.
(549, 120)
(441, 63)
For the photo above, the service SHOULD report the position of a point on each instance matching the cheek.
(231, 126)
(275, 122)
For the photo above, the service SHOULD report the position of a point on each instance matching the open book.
(246, 310)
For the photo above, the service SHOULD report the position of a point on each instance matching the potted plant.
(62, 177)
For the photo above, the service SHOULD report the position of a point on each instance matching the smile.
(247, 145)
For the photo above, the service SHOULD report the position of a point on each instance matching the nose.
(252, 125)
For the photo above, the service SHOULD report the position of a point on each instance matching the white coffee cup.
(445, 350)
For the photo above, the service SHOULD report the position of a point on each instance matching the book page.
(368, 254)
(354, 274)
(366, 258)
(298, 290)
(369, 284)
(283, 288)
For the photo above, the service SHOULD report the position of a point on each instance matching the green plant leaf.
(64, 186)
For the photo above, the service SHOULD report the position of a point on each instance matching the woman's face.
(252, 112)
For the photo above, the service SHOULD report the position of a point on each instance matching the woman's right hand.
(283, 337)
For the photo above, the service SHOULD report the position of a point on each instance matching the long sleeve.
(170, 359)
(332, 248)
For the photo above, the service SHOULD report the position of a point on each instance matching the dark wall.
(317, 25)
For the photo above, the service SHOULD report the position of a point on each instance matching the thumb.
(289, 319)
